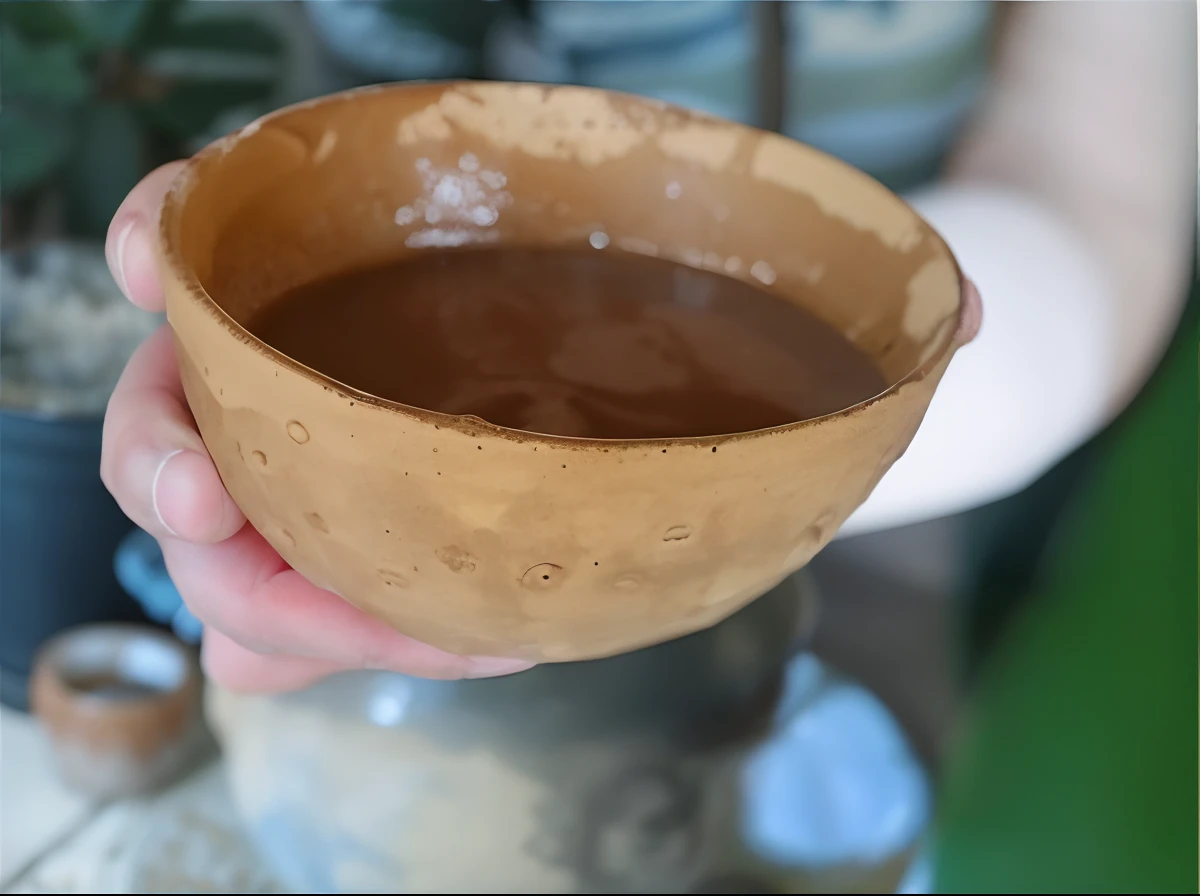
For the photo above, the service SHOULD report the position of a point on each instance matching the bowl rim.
(175, 199)
(53, 659)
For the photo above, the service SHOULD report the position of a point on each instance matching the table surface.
(889, 635)
(185, 839)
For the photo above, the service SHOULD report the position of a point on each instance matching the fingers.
(267, 628)
(131, 235)
(972, 316)
(235, 668)
(153, 461)
(248, 593)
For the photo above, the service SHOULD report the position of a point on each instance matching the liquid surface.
(111, 687)
(584, 343)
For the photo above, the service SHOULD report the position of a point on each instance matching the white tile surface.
(36, 810)
(186, 839)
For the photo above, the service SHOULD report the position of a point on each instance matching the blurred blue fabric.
(140, 570)
(920, 876)
(837, 783)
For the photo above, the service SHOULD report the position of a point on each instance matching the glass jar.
(658, 771)
(728, 761)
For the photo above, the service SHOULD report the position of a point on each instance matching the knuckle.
(116, 461)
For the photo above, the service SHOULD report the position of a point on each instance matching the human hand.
(266, 627)
(972, 315)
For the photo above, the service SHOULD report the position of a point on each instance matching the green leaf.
(160, 18)
(110, 157)
(31, 149)
(43, 21)
(109, 24)
(48, 74)
(212, 65)
(225, 34)
(191, 105)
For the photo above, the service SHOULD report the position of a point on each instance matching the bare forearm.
(1093, 114)
(1070, 203)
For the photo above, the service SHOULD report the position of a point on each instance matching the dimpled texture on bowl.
(482, 540)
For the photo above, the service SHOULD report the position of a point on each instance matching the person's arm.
(1070, 203)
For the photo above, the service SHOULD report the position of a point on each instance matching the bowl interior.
(360, 178)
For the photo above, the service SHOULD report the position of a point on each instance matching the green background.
(1078, 770)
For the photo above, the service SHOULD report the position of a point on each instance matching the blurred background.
(970, 681)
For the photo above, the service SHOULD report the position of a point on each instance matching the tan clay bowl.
(485, 540)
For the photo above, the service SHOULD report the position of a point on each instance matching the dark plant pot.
(59, 529)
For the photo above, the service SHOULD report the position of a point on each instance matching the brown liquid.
(581, 343)
(111, 686)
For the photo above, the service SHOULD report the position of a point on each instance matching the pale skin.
(1071, 199)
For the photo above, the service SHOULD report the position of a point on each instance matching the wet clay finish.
(488, 540)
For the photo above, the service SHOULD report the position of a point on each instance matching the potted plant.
(92, 96)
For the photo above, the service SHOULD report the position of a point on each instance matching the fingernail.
(118, 260)
(162, 465)
(492, 666)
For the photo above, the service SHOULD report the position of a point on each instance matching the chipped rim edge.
(171, 209)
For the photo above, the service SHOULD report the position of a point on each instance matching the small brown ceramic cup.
(121, 706)
(489, 541)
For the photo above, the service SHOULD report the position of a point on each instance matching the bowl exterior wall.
(483, 543)
(480, 540)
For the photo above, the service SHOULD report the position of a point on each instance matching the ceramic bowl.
(484, 540)
(121, 704)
